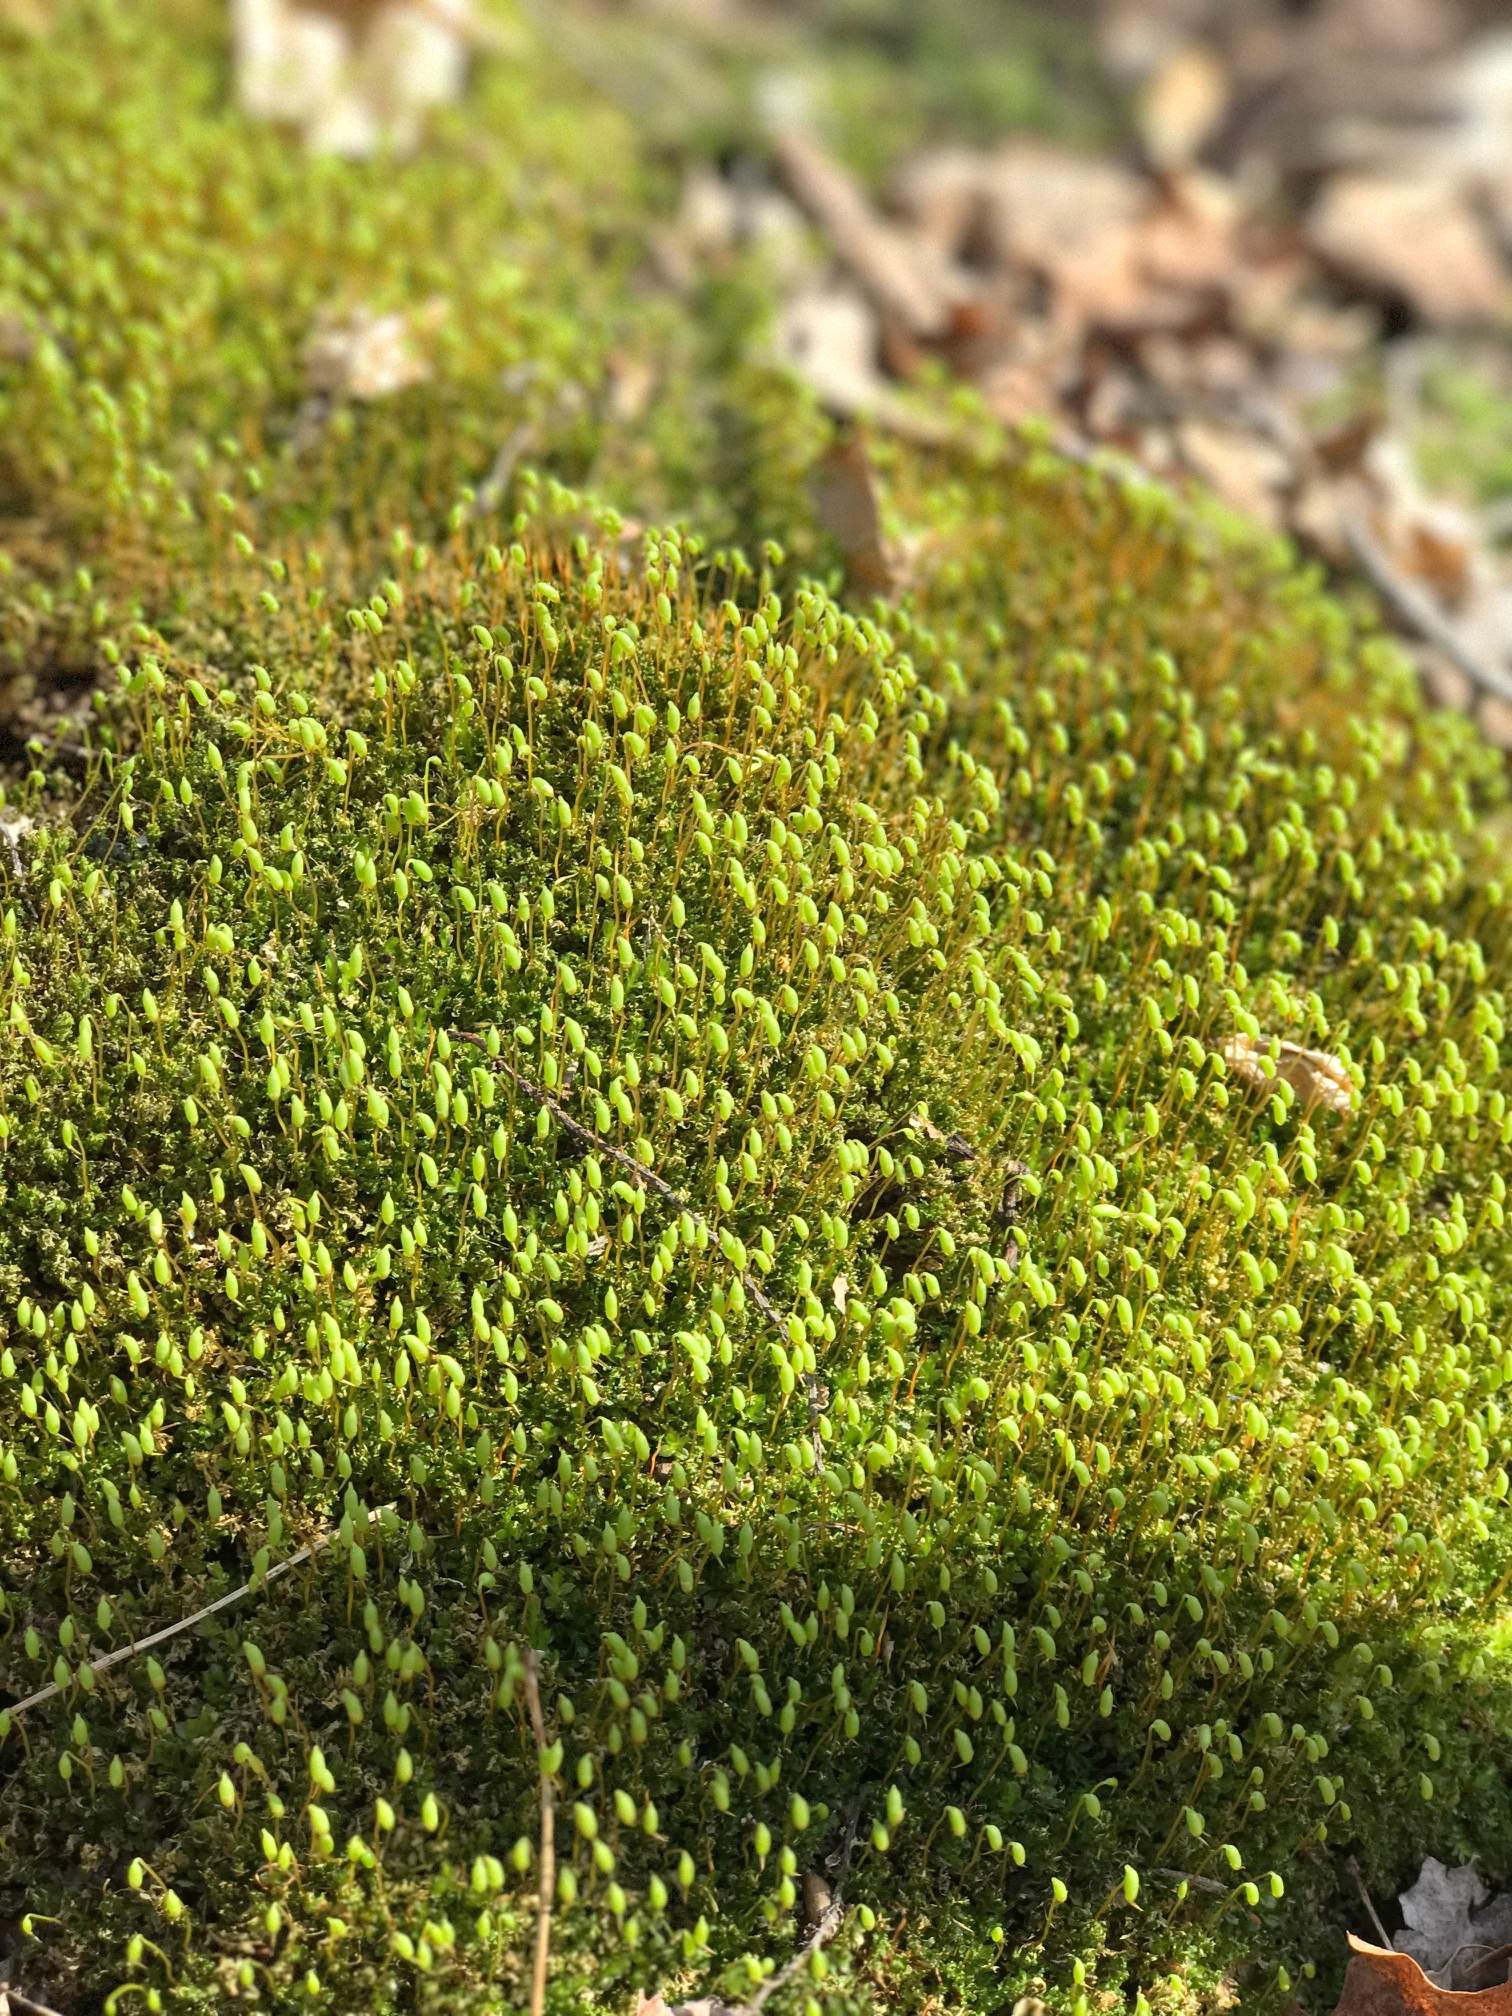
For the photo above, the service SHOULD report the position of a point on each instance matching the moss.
(688, 1127)
(602, 1071)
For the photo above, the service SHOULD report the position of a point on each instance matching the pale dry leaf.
(352, 76)
(1430, 540)
(361, 355)
(288, 61)
(940, 194)
(1449, 1909)
(1180, 104)
(844, 488)
(1316, 1076)
(1413, 239)
(1066, 218)
(840, 1293)
(829, 336)
(31, 17)
(1246, 471)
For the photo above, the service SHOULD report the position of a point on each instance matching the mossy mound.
(166, 263)
(659, 1122)
(580, 1080)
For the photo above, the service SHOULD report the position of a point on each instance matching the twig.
(1359, 1882)
(821, 1935)
(13, 2002)
(110, 1659)
(648, 1178)
(490, 492)
(882, 258)
(1208, 1883)
(1417, 612)
(548, 1838)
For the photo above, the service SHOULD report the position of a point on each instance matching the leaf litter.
(1303, 207)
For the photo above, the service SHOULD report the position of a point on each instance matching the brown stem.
(548, 1839)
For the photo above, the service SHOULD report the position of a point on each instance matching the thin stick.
(130, 1651)
(1208, 1883)
(821, 1935)
(12, 1999)
(648, 1178)
(548, 1838)
(1419, 614)
(1354, 1869)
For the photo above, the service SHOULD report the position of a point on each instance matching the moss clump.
(697, 1134)
(165, 263)
(594, 1090)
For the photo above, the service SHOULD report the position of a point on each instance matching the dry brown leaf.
(1246, 471)
(1068, 219)
(1431, 541)
(361, 355)
(1383, 1983)
(940, 194)
(1316, 1076)
(1411, 239)
(815, 1896)
(845, 497)
(1181, 103)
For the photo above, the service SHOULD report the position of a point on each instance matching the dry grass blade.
(168, 1631)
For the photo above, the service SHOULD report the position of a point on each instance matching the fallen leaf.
(1409, 239)
(940, 194)
(1181, 103)
(353, 76)
(816, 1898)
(1247, 472)
(1383, 1983)
(31, 17)
(840, 1293)
(361, 355)
(845, 497)
(829, 336)
(1447, 1910)
(1316, 1076)
(1067, 218)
